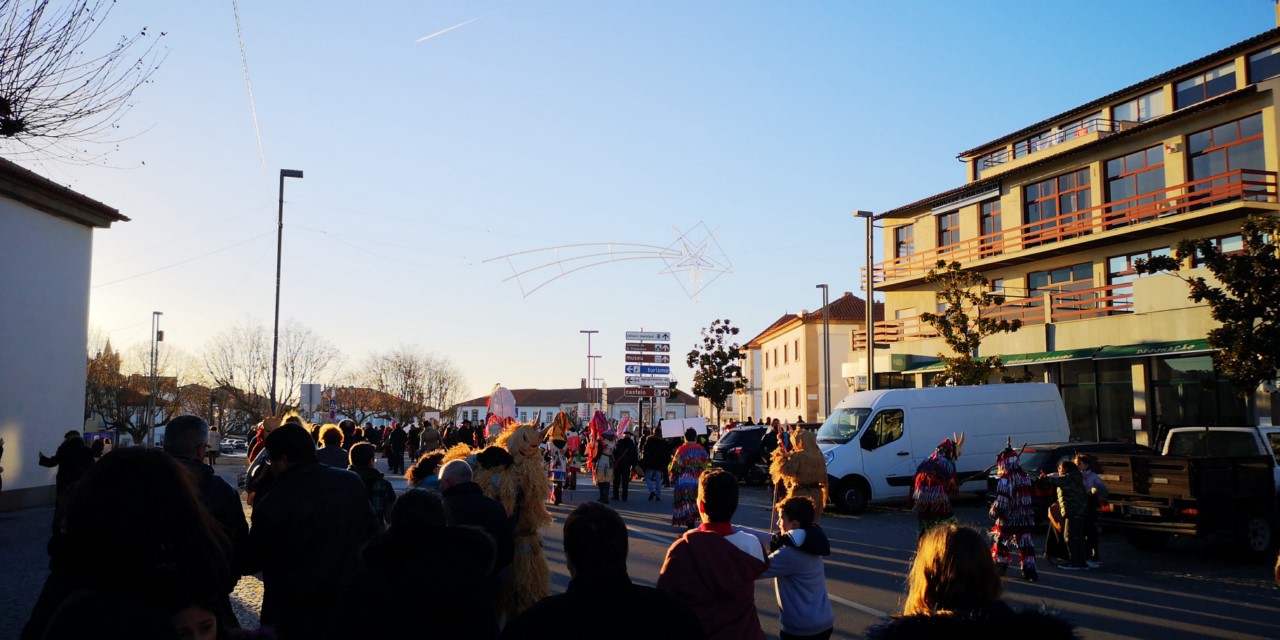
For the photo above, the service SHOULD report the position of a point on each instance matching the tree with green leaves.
(1246, 305)
(718, 372)
(964, 296)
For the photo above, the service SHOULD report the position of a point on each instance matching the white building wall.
(44, 316)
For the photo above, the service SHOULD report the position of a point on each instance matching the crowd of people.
(340, 553)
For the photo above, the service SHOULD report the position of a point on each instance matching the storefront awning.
(1020, 359)
(1175, 348)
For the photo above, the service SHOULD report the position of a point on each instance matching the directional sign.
(646, 392)
(652, 336)
(647, 382)
(647, 369)
(660, 347)
(648, 357)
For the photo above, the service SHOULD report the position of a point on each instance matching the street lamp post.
(870, 317)
(156, 337)
(590, 382)
(275, 333)
(826, 354)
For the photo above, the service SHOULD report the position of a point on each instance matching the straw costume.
(802, 471)
(529, 579)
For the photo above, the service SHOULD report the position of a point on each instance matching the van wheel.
(1259, 534)
(852, 495)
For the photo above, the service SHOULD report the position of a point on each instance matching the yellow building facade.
(1056, 214)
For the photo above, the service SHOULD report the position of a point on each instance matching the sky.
(435, 136)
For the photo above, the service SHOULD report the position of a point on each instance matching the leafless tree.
(56, 93)
(239, 362)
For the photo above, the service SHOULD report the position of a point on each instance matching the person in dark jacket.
(379, 492)
(624, 458)
(469, 506)
(654, 458)
(306, 537)
(73, 458)
(186, 439)
(953, 591)
(595, 549)
(331, 451)
(397, 440)
(404, 593)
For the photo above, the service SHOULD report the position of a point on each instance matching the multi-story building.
(785, 364)
(1056, 213)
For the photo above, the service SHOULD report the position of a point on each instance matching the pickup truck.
(1205, 480)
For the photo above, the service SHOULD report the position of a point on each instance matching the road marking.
(860, 607)
(653, 537)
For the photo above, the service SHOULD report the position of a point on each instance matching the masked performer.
(802, 471)
(935, 484)
(1014, 516)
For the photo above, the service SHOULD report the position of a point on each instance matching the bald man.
(470, 506)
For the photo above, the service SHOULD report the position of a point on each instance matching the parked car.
(227, 446)
(739, 451)
(1045, 457)
(242, 445)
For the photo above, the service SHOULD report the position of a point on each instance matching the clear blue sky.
(553, 123)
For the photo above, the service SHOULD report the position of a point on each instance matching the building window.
(1204, 86)
(797, 397)
(1131, 178)
(1120, 268)
(775, 356)
(786, 399)
(1063, 281)
(797, 347)
(989, 161)
(1225, 148)
(775, 399)
(1140, 109)
(904, 241)
(1077, 128)
(1225, 244)
(1031, 145)
(1264, 64)
(948, 230)
(991, 240)
(1049, 204)
(786, 353)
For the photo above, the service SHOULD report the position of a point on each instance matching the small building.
(46, 247)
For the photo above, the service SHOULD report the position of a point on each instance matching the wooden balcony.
(1062, 305)
(1151, 212)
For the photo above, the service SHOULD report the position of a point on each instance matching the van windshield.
(842, 425)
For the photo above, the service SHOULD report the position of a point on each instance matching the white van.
(874, 440)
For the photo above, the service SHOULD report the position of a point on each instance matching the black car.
(740, 452)
(1045, 457)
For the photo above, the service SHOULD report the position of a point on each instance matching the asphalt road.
(1192, 589)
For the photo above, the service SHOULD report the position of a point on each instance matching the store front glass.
(1188, 392)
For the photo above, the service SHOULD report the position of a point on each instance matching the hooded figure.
(935, 484)
(1014, 515)
(802, 471)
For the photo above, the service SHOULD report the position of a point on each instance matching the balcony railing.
(1235, 186)
(993, 160)
(1076, 304)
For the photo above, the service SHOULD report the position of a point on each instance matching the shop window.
(1188, 392)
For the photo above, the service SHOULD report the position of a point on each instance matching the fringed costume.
(555, 453)
(689, 461)
(1014, 516)
(529, 579)
(802, 472)
(935, 484)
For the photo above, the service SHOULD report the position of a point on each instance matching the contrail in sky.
(456, 26)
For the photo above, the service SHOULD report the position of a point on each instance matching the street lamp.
(275, 333)
(157, 336)
(826, 354)
(870, 319)
(590, 396)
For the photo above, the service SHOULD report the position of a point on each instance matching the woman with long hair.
(177, 553)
